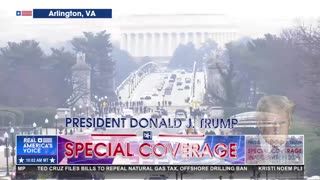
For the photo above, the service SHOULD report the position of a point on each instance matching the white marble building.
(157, 36)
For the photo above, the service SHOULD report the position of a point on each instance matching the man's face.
(274, 127)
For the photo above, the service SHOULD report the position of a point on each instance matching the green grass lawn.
(311, 132)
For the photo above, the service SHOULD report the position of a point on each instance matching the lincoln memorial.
(157, 36)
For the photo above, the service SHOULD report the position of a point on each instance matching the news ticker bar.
(160, 168)
(108, 149)
(161, 171)
(67, 13)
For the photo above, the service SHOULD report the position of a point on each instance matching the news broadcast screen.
(162, 89)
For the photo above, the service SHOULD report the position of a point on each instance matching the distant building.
(157, 36)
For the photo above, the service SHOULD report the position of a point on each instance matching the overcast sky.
(253, 17)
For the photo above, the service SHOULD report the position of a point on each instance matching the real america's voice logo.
(36, 149)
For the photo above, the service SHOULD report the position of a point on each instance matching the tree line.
(285, 64)
(31, 77)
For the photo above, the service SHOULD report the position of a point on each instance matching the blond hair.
(276, 104)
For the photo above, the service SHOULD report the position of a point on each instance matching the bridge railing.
(142, 68)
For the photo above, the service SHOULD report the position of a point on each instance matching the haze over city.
(252, 18)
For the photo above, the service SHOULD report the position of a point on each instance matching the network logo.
(147, 135)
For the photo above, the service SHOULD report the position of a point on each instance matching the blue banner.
(72, 13)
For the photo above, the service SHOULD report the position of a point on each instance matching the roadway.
(152, 89)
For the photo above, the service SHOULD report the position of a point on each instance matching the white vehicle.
(187, 80)
(127, 113)
(181, 114)
(216, 112)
